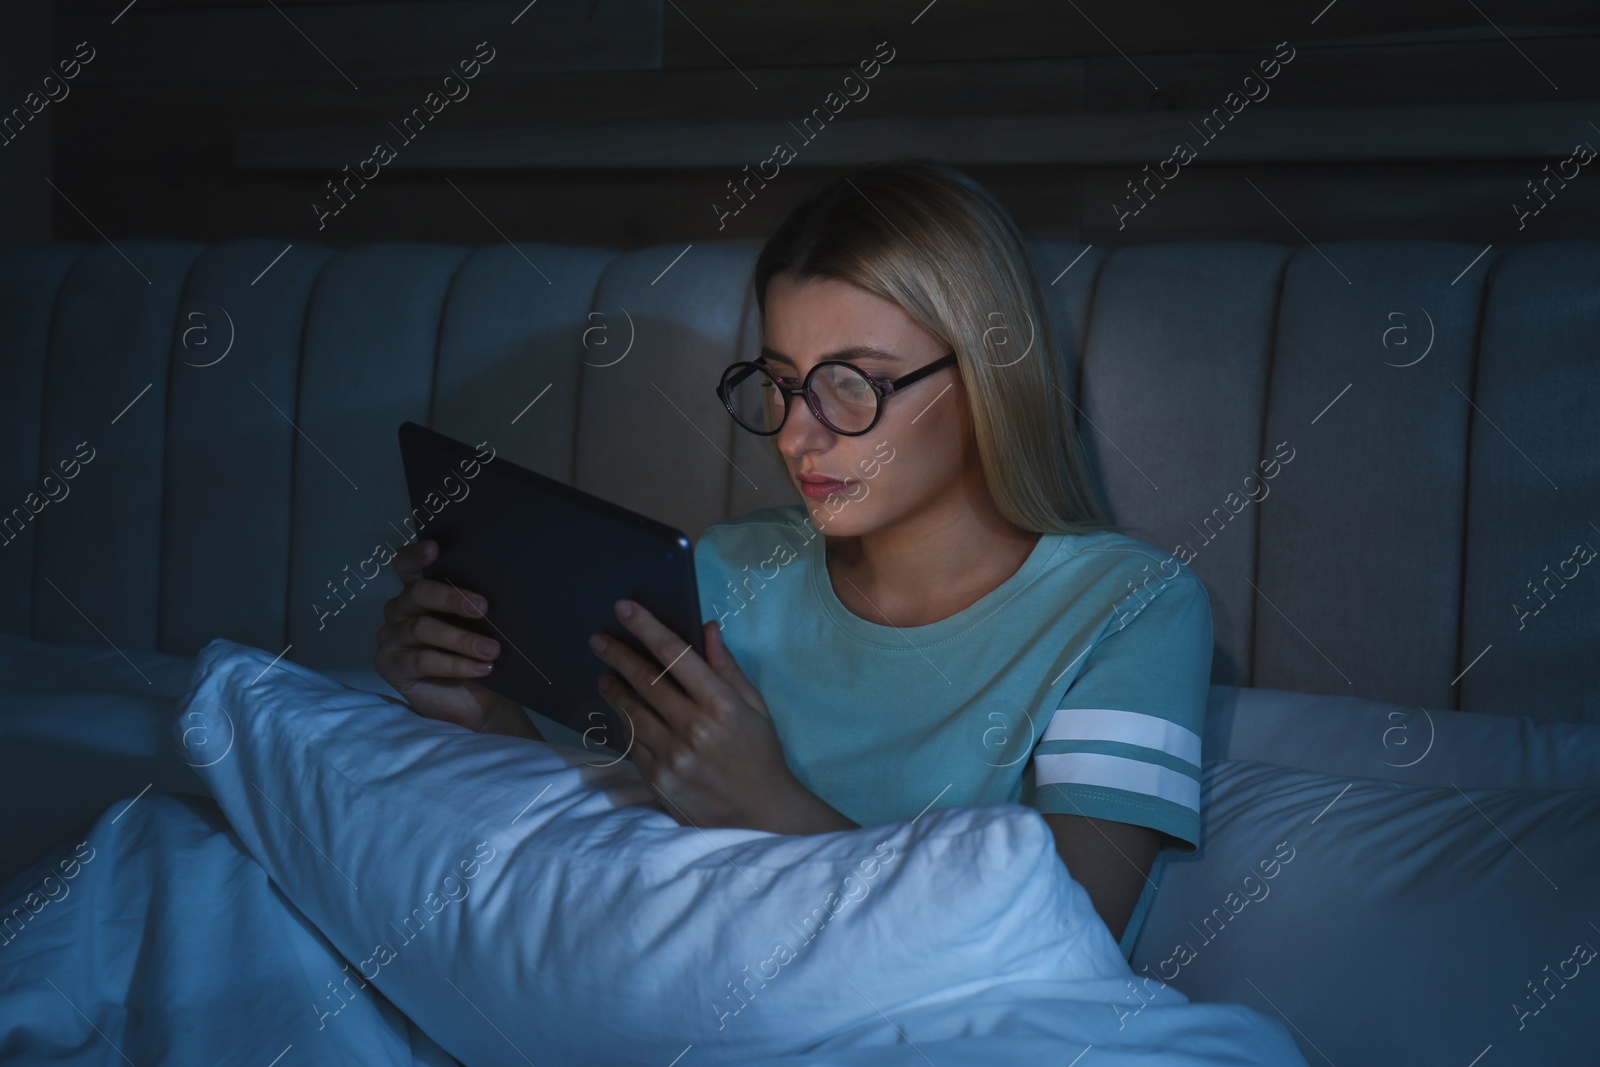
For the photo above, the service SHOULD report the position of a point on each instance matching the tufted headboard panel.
(1430, 418)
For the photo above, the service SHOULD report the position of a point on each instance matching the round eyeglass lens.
(848, 401)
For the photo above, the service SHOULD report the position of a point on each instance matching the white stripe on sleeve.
(1128, 727)
(1116, 772)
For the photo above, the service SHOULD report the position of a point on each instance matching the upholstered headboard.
(1429, 414)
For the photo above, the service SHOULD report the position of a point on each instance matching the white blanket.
(515, 904)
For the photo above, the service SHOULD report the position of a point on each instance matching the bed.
(1401, 789)
(1350, 846)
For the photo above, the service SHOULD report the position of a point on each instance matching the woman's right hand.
(428, 661)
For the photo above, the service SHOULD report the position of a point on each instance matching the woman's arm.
(1111, 860)
(506, 717)
(803, 813)
(810, 814)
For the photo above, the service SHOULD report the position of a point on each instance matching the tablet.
(552, 561)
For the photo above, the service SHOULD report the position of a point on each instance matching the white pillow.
(1391, 923)
(485, 879)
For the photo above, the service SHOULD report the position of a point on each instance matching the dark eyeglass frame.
(883, 387)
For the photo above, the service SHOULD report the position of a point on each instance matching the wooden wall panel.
(225, 144)
(1478, 71)
(1221, 135)
(357, 43)
(1320, 202)
(836, 31)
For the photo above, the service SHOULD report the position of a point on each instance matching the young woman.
(946, 617)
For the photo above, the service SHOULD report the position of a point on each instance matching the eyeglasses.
(843, 397)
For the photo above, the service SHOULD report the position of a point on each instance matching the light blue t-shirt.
(1077, 686)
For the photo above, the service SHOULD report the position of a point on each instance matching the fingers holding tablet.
(412, 558)
(710, 749)
(552, 560)
(474, 653)
(410, 562)
(428, 660)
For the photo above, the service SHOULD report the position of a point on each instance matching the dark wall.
(26, 58)
(622, 122)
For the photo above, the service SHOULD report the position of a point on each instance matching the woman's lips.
(821, 490)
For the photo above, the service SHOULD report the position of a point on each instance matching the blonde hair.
(932, 240)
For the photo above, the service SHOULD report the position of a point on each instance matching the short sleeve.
(1124, 744)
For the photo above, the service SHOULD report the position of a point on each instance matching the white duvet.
(374, 887)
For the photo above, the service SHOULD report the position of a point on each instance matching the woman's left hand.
(707, 744)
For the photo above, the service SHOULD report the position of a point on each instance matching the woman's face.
(920, 455)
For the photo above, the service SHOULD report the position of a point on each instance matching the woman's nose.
(800, 421)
